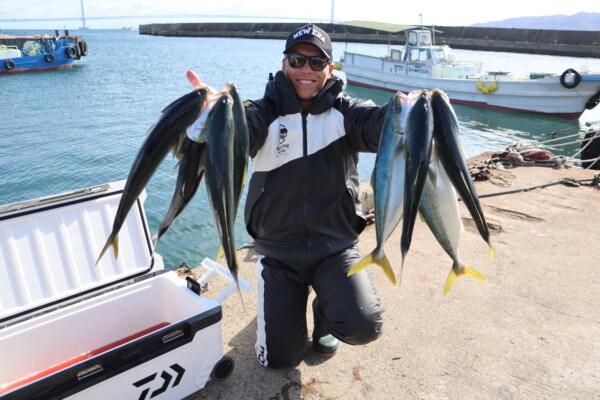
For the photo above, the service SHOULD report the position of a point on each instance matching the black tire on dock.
(591, 151)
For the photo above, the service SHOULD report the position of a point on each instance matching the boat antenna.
(421, 18)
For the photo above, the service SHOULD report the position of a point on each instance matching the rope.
(590, 140)
(565, 181)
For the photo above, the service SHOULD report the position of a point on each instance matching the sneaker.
(324, 342)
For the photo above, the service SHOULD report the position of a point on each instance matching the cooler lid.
(49, 247)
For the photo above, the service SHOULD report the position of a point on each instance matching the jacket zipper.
(305, 169)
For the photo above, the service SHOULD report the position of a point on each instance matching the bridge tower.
(83, 15)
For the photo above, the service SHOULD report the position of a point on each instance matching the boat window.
(439, 55)
(419, 55)
(32, 48)
(425, 38)
(412, 38)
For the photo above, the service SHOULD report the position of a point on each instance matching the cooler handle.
(213, 268)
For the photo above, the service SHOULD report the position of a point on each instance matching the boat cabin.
(419, 47)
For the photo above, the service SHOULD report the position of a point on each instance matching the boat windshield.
(439, 56)
(417, 54)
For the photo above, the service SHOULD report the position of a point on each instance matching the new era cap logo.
(309, 31)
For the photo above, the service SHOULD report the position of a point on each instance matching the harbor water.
(69, 129)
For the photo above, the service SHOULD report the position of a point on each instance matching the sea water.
(69, 129)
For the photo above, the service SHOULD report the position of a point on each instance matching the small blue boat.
(39, 52)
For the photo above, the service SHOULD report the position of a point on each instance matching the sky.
(449, 13)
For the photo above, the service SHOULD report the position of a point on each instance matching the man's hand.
(370, 217)
(197, 83)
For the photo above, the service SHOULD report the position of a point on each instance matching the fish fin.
(383, 263)
(465, 270)
(400, 144)
(367, 260)
(433, 176)
(113, 241)
(220, 253)
(491, 251)
(149, 129)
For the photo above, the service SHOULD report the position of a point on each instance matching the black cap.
(310, 34)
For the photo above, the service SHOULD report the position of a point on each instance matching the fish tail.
(113, 241)
(382, 262)
(462, 270)
(491, 252)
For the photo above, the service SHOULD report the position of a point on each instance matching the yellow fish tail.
(491, 252)
(111, 242)
(383, 263)
(463, 270)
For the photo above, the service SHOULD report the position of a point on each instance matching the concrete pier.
(531, 41)
(531, 331)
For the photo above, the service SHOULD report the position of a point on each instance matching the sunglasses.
(297, 60)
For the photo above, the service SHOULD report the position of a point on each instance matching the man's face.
(305, 81)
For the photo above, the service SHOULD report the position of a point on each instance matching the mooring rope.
(565, 181)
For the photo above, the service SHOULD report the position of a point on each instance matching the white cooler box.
(124, 329)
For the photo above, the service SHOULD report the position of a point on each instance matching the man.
(302, 206)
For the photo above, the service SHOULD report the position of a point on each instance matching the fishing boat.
(40, 52)
(422, 64)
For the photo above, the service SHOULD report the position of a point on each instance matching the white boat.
(424, 65)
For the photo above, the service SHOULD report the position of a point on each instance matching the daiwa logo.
(261, 356)
(282, 148)
(309, 31)
(166, 381)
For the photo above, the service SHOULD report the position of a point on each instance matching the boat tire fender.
(71, 52)
(593, 101)
(10, 64)
(570, 85)
(83, 48)
(49, 58)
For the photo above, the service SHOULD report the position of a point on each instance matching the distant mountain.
(582, 21)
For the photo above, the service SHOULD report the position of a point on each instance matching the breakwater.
(531, 41)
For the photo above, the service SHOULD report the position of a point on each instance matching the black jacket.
(302, 201)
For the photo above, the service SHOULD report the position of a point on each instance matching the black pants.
(350, 305)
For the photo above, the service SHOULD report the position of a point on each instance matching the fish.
(219, 135)
(419, 138)
(387, 182)
(447, 142)
(241, 144)
(189, 177)
(241, 147)
(166, 135)
(439, 209)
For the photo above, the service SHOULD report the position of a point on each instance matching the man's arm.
(363, 121)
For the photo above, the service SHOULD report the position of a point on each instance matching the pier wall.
(532, 41)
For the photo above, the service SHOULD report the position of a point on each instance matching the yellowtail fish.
(219, 135)
(447, 143)
(387, 182)
(167, 134)
(419, 134)
(189, 177)
(241, 147)
(439, 208)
